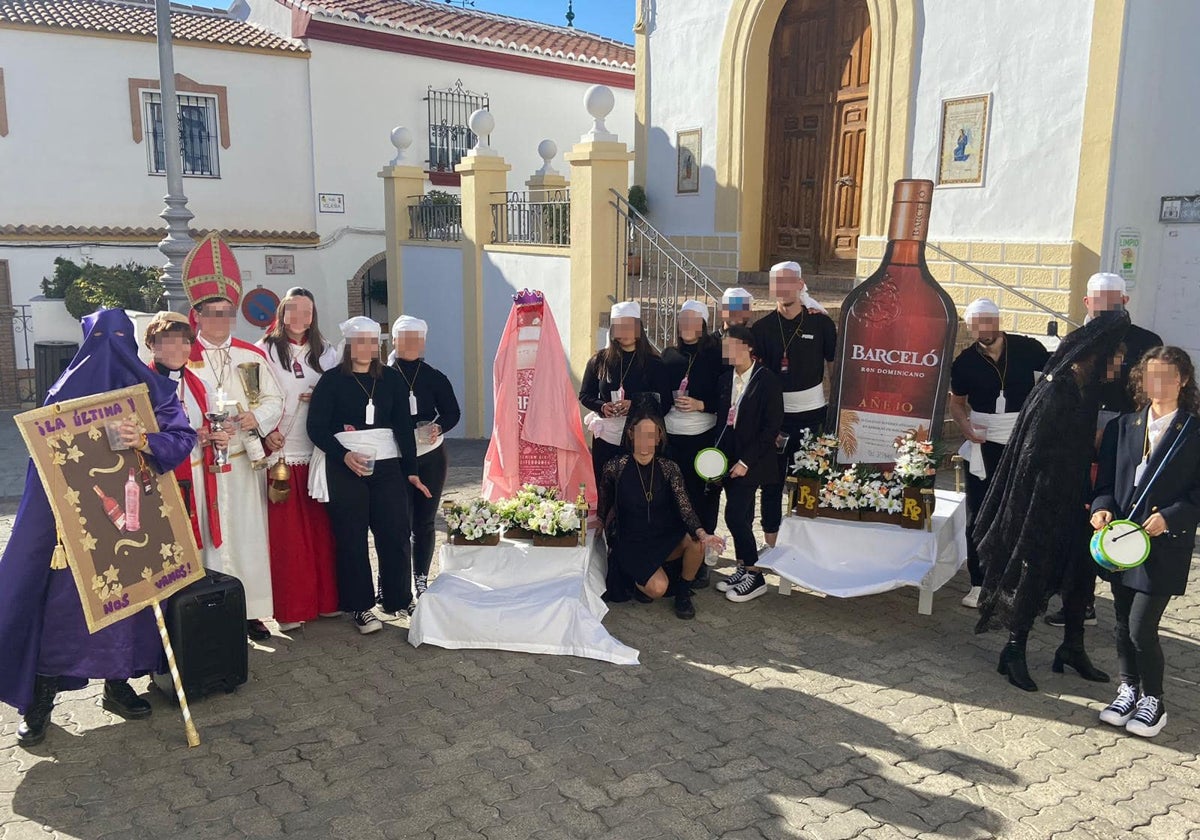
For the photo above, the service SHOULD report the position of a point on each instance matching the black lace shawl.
(1031, 530)
(606, 505)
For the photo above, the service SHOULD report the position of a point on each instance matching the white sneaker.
(1120, 711)
(725, 584)
(285, 626)
(971, 599)
(1149, 719)
(366, 622)
(749, 588)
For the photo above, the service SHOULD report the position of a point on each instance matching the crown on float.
(527, 297)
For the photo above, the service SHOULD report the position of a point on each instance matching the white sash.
(998, 429)
(424, 448)
(608, 429)
(810, 399)
(688, 422)
(383, 440)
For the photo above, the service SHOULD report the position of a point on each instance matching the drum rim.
(724, 461)
(1121, 567)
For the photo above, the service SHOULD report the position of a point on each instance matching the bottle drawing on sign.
(133, 504)
(111, 509)
(895, 343)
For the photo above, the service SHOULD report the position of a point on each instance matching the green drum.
(1120, 545)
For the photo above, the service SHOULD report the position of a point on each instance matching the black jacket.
(759, 417)
(1114, 395)
(1176, 494)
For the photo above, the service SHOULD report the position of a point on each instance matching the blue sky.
(611, 18)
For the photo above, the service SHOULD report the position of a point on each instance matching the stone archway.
(363, 291)
(742, 101)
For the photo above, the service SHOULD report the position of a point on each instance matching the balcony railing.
(538, 217)
(435, 222)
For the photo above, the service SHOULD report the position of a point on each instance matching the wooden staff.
(928, 500)
(957, 461)
(193, 737)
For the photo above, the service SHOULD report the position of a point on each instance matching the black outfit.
(807, 341)
(435, 399)
(641, 533)
(701, 365)
(975, 376)
(1115, 396)
(600, 381)
(752, 441)
(378, 501)
(1140, 595)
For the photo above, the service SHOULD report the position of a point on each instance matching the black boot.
(32, 730)
(1075, 656)
(122, 700)
(684, 608)
(702, 579)
(1012, 664)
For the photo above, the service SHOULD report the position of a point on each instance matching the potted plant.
(916, 469)
(473, 523)
(840, 494)
(811, 466)
(633, 258)
(555, 523)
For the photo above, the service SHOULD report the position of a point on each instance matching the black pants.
(705, 497)
(772, 494)
(739, 519)
(1136, 632)
(432, 467)
(976, 490)
(378, 502)
(602, 451)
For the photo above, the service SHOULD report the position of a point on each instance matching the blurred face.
(645, 438)
(985, 329)
(216, 320)
(297, 315)
(410, 345)
(691, 326)
(363, 349)
(1162, 381)
(786, 286)
(1111, 301)
(735, 352)
(736, 313)
(172, 350)
(625, 330)
(1112, 367)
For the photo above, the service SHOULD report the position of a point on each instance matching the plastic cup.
(675, 395)
(112, 428)
(781, 443)
(369, 452)
(424, 430)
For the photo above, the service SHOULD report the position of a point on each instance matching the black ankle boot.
(1012, 664)
(32, 730)
(684, 608)
(1075, 656)
(122, 700)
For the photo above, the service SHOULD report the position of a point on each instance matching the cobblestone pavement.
(790, 717)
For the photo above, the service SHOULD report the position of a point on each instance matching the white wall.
(1157, 124)
(433, 292)
(505, 274)
(70, 158)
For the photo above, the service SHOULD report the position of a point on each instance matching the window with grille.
(198, 136)
(449, 136)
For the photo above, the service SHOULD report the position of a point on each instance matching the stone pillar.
(403, 186)
(546, 181)
(484, 173)
(599, 164)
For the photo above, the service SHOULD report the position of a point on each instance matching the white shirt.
(1155, 429)
(297, 447)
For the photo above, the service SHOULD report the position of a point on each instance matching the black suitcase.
(207, 625)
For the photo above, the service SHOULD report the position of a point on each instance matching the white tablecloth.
(514, 596)
(847, 559)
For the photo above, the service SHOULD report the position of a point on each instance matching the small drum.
(711, 464)
(1120, 545)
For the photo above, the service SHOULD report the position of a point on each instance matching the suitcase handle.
(212, 599)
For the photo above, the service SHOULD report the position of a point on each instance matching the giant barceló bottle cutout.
(895, 343)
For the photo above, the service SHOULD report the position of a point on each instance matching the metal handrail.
(1038, 304)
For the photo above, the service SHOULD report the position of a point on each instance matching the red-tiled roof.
(137, 18)
(435, 18)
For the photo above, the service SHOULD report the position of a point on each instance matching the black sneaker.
(749, 588)
(733, 580)
(1119, 711)
(422, 584)
(684, 608)
(257, 631)
(1059, 619)
(366, 622)
(1149, 719)
(122, 700)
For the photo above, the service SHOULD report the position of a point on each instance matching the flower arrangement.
(473, 520)
(881, 493)
(515, 510)
(553, 517)
(916, 459)
(816, 456)
(841, 491)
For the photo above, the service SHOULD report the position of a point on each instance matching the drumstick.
(1153, 511)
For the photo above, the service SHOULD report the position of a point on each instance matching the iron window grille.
(449, 136)
(198, 135)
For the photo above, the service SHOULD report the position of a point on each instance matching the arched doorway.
(818, 88)
(367, 292)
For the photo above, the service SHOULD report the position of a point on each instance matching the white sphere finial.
(599, 101)
(402, 138)
(481, 123)
(547, 149)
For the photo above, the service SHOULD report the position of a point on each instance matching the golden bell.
(279, 485)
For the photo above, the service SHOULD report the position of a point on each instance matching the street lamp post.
(177, 242)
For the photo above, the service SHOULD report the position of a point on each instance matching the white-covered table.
(514, 596)
(848, 559)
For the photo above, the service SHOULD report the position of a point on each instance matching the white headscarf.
(406, 324)
(981, 306)
(695, 306)
(1106, 281)
(625, 309)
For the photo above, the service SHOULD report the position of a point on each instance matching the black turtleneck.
(706, 365)
(599, 382)
(435, 394)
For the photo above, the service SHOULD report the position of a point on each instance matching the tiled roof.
(435, 18)
(92, 232)
(137, 18)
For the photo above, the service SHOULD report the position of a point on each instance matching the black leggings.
(378, 502)
(976, 490)
(1136, 632)
(705, 498)
(432, 467)
(739, 518)
(771, 511)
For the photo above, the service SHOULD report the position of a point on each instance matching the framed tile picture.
(962, 154)
(687, 167)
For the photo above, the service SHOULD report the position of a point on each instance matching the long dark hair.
(346, 365)
(1176, 357)
(277, 338)
(610, 356)
(645, 407)
(706, 341)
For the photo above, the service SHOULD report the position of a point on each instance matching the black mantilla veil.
(1032, 526)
